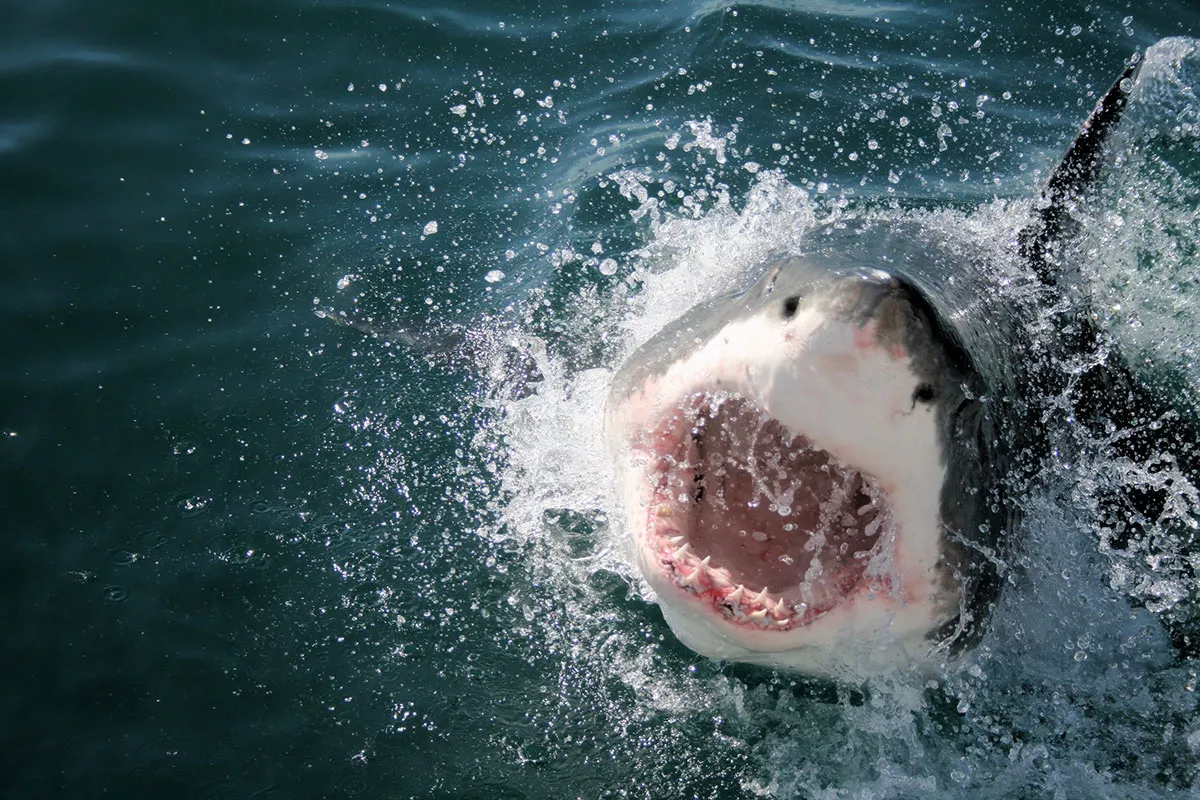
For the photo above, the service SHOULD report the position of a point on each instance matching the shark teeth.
(759, 609)
(695, 580)
(700, 577)
(675, 474)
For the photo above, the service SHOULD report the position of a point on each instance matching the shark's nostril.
(790, 306)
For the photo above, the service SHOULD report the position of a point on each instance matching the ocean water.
(250, 551)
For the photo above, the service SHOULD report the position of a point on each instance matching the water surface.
(251, 552)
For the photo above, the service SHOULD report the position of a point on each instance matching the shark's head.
(795, 461)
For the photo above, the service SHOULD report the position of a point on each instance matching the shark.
(817, 472)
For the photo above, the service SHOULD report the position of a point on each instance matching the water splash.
(1042, 708)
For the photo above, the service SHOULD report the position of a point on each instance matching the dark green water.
(251, 553)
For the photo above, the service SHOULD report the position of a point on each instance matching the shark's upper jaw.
(760, 526)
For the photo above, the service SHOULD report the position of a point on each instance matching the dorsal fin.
(1071, 178)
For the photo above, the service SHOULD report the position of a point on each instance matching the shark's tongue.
(774, 510)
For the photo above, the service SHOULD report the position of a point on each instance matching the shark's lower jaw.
(759, 526)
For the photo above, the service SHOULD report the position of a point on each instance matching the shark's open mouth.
(768, 528)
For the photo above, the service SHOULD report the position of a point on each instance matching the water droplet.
(119, 557)
(193, 506)
(115, 594)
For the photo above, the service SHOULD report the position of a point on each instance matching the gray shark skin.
(816, 472)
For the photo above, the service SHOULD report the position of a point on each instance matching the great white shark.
(816, 472)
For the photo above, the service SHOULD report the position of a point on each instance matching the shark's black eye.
(924, 393)
(790, 305)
